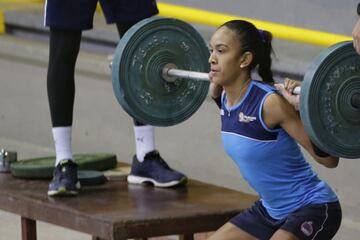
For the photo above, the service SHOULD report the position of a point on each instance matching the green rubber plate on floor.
(43, 168)
(91, 177)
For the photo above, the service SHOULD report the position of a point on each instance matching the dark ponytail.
(258, 42)
(265, 61)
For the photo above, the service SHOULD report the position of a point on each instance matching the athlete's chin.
(217, 79)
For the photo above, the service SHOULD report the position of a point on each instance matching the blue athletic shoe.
(154, 170)
(65, 181)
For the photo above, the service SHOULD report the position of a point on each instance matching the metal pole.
(170, 75)
(172, 72)
(296, 90)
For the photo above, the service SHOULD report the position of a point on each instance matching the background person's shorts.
(78, 14)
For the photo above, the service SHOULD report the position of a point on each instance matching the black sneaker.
(65, 181)
(154, 170)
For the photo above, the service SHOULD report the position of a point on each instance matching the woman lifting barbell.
(260, 132)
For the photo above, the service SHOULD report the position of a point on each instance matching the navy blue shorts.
(78, 14)
(315, 221)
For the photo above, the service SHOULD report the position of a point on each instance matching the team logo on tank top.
(245, 119)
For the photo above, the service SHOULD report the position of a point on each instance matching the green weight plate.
(91, 177)
(137, 71)
(38, 168)
(328, 90)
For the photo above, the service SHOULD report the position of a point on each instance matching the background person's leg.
(144, 134)
(64, 49)
(154, 170)
(63, 52)
(66, 20)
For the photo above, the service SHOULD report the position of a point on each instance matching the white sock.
(62, 140)
(145, 140)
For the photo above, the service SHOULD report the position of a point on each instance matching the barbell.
(160, 77)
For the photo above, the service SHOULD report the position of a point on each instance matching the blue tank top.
(269, 159)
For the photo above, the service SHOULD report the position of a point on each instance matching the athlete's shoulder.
(264, 86)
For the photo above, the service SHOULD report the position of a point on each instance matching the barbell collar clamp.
(355, 100)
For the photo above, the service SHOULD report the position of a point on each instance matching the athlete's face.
(225, 58)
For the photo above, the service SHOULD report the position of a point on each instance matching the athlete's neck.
(235, 92)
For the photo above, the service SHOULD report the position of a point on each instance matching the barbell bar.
(171, 73)
(148, 73)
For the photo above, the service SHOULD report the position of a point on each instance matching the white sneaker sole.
(142, 180)
(64, 192)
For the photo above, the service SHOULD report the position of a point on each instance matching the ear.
(246, 59)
